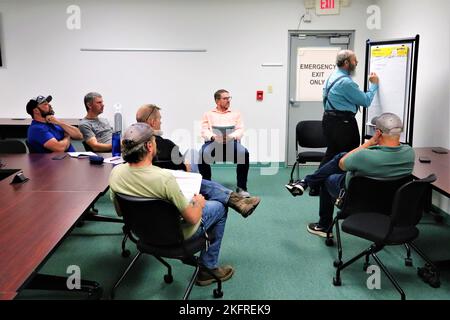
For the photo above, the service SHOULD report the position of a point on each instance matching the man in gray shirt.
(97, 132)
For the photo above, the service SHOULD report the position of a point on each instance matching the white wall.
(43, 57)
(429, 19)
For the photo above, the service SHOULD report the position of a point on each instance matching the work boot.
(244, 206)
(223, 273)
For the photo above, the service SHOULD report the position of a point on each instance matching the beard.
(50, 112)
(352, 69)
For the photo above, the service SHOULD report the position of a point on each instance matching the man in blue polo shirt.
(341, 101)
(46, 133)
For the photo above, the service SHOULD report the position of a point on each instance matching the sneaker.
(242, 192)
(300, 187)
(316, 229)
(223, 273)
(291, 188)
(245, 206)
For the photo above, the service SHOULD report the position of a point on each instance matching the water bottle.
(116, 144)
(117, 117)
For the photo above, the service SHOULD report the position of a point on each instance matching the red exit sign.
(326, 4)
(327, 7)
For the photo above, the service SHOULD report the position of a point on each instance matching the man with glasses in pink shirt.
(222, 129)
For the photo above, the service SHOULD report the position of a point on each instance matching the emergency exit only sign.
(324, 7)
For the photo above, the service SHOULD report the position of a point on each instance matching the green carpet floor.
(273, 254)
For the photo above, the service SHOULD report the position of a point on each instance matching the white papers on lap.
(222, 130)
(188, 182)
(81, 154)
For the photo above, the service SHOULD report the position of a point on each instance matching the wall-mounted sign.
(324, 7)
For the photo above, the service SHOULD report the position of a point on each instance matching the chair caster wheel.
(168, 278)
(337, 263)
(428, 275)
(337, 282)
(95, 293)
(217, 293)
(434, 282)
(329, 242)
(408, 262)
(126, 253)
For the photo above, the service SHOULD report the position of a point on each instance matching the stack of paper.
(81, 154)
(189, 182)
(114, 160)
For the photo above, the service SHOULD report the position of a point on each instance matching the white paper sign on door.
(314, 66)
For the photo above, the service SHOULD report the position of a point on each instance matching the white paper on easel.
(188, 182)
(390, 63)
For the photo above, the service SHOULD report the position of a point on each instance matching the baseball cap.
(134, 136)
(388, 123)
(34, 102)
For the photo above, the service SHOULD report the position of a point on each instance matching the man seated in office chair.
(169, 152)
(222, 129)
(47, 133)
(97, 132)
(381, 156)
(140, 178)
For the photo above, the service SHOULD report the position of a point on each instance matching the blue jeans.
(214, 217)
(332, 179)
(212, 190)
(231, 151)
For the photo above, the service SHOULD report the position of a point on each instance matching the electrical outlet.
(307, 17)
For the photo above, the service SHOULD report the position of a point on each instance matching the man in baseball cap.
(46, 133)
(140, 178)
(381, 156)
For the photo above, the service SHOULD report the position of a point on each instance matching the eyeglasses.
(226, 98)
(148, 117)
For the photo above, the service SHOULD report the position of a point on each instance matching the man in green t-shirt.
(138, 177)
(381, 156)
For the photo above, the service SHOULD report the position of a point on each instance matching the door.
(300, 97)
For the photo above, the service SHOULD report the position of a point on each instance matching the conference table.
(36, 215)
(439, 165)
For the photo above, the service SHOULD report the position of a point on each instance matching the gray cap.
(34, 102)
(135, 136)
(388, 123)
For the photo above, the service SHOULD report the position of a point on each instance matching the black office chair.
(398, 228)
(12, 146)
(155, 226)
(168, 164)
(30, 148)
(309, 134)
(367, 194)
